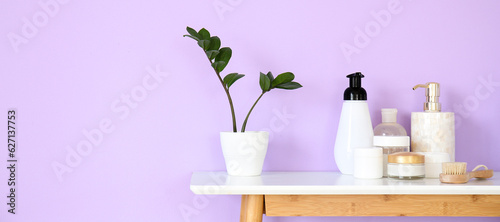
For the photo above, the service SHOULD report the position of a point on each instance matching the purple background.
(80, 61)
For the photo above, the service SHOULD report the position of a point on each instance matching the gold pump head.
(432, 96)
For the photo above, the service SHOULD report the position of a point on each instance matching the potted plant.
(244, 151)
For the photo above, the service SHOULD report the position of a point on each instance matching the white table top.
(330, 183)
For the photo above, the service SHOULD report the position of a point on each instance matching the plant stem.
(248, 115)
(233, 116)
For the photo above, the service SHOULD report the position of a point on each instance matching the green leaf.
(190, 36)
(192, 32)
(219, 66)
(282, 78)
(211, 54)
(270, 76)
(204, 44)
(289, 85)
(214, 43)
(223, 56)
(204, 34)
(231, 78)
(265, 83)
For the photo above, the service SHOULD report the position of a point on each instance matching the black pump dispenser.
(355, 91)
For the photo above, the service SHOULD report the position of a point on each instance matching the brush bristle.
(454, 168)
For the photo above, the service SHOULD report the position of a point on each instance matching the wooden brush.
(456, 172)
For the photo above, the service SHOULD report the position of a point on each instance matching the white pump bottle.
(355, 125)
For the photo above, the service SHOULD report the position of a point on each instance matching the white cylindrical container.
(434, 163)
(368, 163)
(391, 144)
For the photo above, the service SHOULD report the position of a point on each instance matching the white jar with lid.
(434, 163)
(406, 166)
(368, 163)
(391, 144)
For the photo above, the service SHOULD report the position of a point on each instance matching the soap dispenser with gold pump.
(433, 131)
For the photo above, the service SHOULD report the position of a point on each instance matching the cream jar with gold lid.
(406, 166)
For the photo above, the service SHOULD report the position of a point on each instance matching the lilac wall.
(123, 74)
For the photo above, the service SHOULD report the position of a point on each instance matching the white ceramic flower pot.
(244, 153)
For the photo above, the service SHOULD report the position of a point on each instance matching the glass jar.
(406, 166)
(389, 125)
(390, 145)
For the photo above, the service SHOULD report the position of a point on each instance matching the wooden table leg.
(252, 208)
